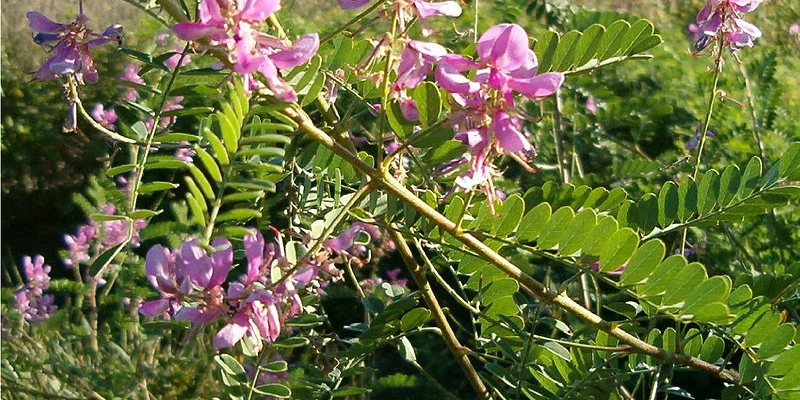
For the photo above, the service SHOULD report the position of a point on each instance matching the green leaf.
(230, 132)
(230, 365)
(533, 222)
(429, 103)
(790, 161)
(564, 56)
(261, 152)
(107, 217)
(715, 289)
(559, 350)
(156, 186)
(406, 350)
(613, 39)
(201, 181)
(274, 390)
(555, 228)
(667, 204)
(750, 178)
(728, 185)
(275, 366)
(144, 214)
(640, 30)
(510, 216)
(643, 262)
(208, 163)
(238, 214)
(647, 212)
(664, 276)
(680, 291)
(217, 146)
(588, 44)
(596, 240)
(399, 124)
(687, 198)
(764, 327)
(707, 192)
(120, 169)
(186, 111)
(545, 49)
(105, 258)
(414, 319)
(314, 90)
(166, 164)
(713, 348)
(618, 249)
(291, 342)
(775, 343)
(270, 127)
(577, 232)
(446, 152)
(786, 362)
(351, 391)
(311, 72)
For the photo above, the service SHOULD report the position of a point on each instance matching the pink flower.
(131, 74)
(69, 45)
(231, 26)
(725, 16)
(104, 117)
(30, 300)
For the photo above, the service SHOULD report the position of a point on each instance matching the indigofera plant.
(465, 161)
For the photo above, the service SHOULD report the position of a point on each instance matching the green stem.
(352, 22)
(561, 300)
(449, 336)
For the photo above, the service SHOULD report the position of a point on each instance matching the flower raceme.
(233, 27)
(725, 17)
(255, 305)
(485, 118)
(69, 46)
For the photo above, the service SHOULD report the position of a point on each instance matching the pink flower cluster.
(485, 118)
(233, 27)
(725, 17)
(90, 240)
(256, 305)
(30, 301)
(69, 45)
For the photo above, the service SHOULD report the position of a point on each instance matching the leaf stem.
(449, 336)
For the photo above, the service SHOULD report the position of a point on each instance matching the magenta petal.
(230, 335)
(450, 79)
(39, 23)
(156, 262)
(352, 4)
(154, 308)
(254, 249)
(505, 46)
(211, 13)
(190, 314)
(506, 130)
(427, 9)
(345, 240)
(259, 10)
(302, 50)
(198, 265)
(458, 62)
(197, 30)
(411, 71)
(429, 51)
(408, 108)
(539, 86)
(221, 260)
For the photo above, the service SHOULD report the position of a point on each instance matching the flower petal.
(450, 79)
(221, 260)
(231, 333)
(39, 23)
(538, 86)
(507, 133)
(259, 10)
(198, 30)
(302, 50)
(505, 46)
(352, 4)
(154, 308)
(427, 9)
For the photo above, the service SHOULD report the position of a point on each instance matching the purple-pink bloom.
(725, 17)
(231, 27)
(30, 300)
(104, 117)
(69, 46)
